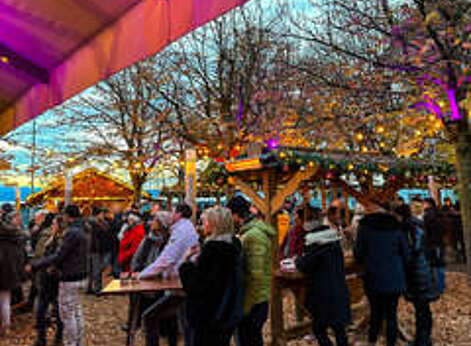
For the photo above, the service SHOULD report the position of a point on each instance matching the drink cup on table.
(124, 278)
(134, 278)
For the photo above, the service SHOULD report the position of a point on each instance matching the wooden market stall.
(270, 178)
(90, 188)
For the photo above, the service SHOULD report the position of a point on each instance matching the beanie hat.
(165, 218)
(239, 206)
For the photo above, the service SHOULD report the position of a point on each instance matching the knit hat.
(7, 208)
(322, 237)
(239, 205)
(164, 217)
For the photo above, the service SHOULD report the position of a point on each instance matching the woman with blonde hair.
(211, 275)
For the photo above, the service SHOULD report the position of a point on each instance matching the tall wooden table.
(115, 287)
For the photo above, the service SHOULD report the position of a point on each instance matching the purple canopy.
(51, 50)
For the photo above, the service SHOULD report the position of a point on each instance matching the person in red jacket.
(130, 242)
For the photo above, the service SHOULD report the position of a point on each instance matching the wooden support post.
(324, 196)
(276, 300)
(335, 193)
(306, 197)
(347, 209)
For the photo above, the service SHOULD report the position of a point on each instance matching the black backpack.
(231, 309)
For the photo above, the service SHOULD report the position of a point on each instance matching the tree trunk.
(137, 183)
(463, 167)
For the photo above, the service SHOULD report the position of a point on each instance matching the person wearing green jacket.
(256, 237)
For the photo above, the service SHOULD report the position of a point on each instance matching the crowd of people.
(225, 269)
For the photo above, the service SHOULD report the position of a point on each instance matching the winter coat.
(129, 245)
(71, 257)
(256, 243)
(115, 227)
(296, 241)
(381, 248)
(100, 236)
(205, 281)
(328, 298)
(10, 256)
(48, 278)
(105, 237)
(422, 286)
(433, 238)
(148, 251)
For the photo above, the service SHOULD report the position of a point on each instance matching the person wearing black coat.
(71, 262)
(115, 227)
(422, 285)
(206, 278)
(433, 240)
(48, 286)
(10, 274)
(381, 248)
(328, 299)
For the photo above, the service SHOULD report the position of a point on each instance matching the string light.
(380, 129)
(359, 136)
(4, 59)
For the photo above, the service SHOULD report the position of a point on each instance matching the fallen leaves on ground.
(105, 315)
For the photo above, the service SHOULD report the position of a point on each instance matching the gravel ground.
(105, 316)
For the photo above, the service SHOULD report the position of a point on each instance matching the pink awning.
(51, 50)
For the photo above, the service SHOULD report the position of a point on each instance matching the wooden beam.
(347, 209)
(291, 187)
(11, 59)
(323, 196)
(259, 202)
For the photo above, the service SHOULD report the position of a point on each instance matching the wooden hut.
(89, 188)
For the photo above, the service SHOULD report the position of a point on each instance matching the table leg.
(276, 316)
(134, 318)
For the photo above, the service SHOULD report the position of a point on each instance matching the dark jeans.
(115, 267)
(17, 295)
(161, 313)
(33, 292)
(45, 299)
(423, 324)
(320, 331)
(383, 306)
(249, 331)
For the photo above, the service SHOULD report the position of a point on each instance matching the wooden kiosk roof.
(282, 172)
(88, 185)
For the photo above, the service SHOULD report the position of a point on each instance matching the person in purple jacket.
(183, 243)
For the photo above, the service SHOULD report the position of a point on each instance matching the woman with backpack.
(212, 280)
(422, 286)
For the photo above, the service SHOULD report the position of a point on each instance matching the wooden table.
(115, 287)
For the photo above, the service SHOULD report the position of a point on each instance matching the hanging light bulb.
(380, 129)
(359, 136)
